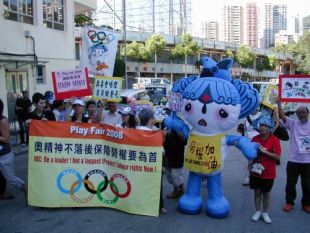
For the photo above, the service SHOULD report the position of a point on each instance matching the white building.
(233, 24)
(285, 37)
(210, 30)
(37, 37)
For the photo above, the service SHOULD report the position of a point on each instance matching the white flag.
(98, 51)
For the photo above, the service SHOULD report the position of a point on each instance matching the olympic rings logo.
(89, 186)
(100, 37)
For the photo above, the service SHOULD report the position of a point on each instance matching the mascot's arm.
(172, 122)
(248, 148)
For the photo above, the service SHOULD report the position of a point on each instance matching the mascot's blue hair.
(215, 81)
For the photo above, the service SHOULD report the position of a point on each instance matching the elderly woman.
(263, 171)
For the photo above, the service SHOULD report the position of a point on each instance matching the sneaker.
(256, 216)
(306, 208)
(23, 144)
(287, 207)
(246, 182)
(266, 218)
(163, 211)
(173, 195)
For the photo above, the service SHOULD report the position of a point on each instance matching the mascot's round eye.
(223, 113)
(188, 107)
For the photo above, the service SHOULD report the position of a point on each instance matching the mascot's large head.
(214, 102)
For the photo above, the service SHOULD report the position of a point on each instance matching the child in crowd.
(263, 170)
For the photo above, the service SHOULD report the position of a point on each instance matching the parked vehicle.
(134, 95)
(158, 93)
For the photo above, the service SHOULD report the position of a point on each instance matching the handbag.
(281, 133)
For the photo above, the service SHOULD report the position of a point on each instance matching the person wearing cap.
(263, 170)
(147, 121)
(128, 118)
(111, 117)
(22, 108)
(298, 157)
(40, 112)
(78, 115)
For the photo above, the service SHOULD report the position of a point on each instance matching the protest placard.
(294, 88)
(98, 51)
(71, 83)
(175, 101)
(90, 165)
(108, 88)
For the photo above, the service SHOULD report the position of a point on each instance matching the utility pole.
(125, 43)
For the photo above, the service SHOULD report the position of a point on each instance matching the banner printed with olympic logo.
(89, 165)
(89, 186)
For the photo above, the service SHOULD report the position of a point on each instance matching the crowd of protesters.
(260, 179)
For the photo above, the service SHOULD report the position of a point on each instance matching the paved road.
(16, 218)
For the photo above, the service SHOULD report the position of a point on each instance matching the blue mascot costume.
(212, 104)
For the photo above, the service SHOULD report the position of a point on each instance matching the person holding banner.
(59, 110)
(111, 117)
(40, 112)
(128, 118)
(78, 115)
(298, 157)
(7, 156)
(91, 111)
(147, 121)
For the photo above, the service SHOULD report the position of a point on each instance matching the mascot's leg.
(191, 201)
(216, 206)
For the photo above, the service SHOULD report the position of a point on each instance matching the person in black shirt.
(78, 116)
(22, 108)
(174, 146)
(40, 112)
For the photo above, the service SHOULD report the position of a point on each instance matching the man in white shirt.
(111, 116)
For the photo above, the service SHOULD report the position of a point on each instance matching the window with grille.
(53, 14)
(18, 10)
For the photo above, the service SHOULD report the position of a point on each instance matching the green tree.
(119, 68)
(272, 62)
(82, 19)
(186, 48)
(138, 52)
(155, 45)
(230, 54)
(245, 57)
(304, 44)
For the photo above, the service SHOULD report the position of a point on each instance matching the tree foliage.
(245, 57)
(186, 48)
(230, 54)
(82, 19)
(119, 68)
(156, 44)
(136, 51)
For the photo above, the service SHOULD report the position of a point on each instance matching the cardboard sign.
(71, 83)
(108, 88)
(294, 88)
(175, 101)
(270, 96)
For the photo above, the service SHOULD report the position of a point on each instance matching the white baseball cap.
(78, 102)
(126, 111)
